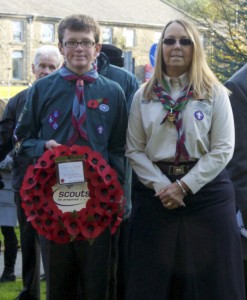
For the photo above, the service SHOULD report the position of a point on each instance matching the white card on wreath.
(70, 172)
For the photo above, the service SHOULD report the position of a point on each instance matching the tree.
(225, 35)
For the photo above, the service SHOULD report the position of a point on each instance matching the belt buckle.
(176, 170)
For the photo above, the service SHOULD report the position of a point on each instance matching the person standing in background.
(184, 238)
(8, 215)
(237, 167)
(8, 221)
(110, 63)
(47, 60)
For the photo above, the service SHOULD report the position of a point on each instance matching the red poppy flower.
(90, 213)
(105, 101)
(27, 205)
(61, 151)
(102, 193)
(59, 234)
(52, 210)
(43, 175)
(26, 195)
(115, 188)
(108, 175)
(96, 181)
(72, 223)
(48, 223)
(52, 180)
(32, 215)
(90, 171)
(37, 203)
(111, 209)
(105, 221)
(91, 230)
(94, 158)
(80, 150)
(38, 225)
(102, 164)
(29, 181)
(46, 161)
(100, 207)
(93, 103)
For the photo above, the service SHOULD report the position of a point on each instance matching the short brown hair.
(79, 23)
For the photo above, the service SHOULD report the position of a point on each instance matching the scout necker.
(58, 112)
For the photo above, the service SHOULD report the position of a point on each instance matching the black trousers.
(10, 249)
(121, 272)
(79, 263)
(191, 252)
(30, 254)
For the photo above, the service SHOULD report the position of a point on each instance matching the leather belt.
(170, 169)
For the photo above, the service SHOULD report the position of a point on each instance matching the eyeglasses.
(75, 44)
(182, 42)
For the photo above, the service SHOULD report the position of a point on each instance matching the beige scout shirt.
(209, 137)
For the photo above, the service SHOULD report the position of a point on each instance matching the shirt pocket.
(99, 126)
(198, 117)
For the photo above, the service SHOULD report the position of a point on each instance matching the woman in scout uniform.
(184, 241)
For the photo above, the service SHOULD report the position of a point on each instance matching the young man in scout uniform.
(53, 116)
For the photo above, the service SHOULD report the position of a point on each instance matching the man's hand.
(51, 144)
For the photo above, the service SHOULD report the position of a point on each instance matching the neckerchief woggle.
(78, 116)
(173, 114)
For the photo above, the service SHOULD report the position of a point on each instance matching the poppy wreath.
(104, 207)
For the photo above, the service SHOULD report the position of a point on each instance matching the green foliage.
(225, 23)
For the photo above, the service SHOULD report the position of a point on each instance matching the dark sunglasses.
(182, 42)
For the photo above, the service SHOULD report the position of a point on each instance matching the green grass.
(10, 290)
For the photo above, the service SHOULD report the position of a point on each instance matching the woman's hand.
(172, 196)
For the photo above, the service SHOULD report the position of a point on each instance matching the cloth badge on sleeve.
(199, 115)
(100, 129)
(52, 120)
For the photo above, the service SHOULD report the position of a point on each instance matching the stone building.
(133, 25)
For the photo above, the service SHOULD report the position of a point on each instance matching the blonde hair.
(3, 104)
(200, 75)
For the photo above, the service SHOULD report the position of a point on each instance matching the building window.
(17, 31)
(17, 65)
(129, 35)
(107, 35)
(48, 31)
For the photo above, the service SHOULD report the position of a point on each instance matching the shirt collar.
(183, 80)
